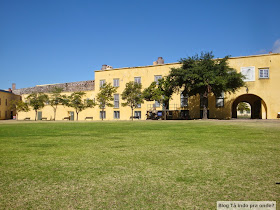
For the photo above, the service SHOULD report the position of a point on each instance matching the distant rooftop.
(67, 87)
(5, 91)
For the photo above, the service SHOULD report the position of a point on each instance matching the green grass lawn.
(139, 165)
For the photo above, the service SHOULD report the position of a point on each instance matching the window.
(103, 113)
(264, 73)
(220, 100)
(6, 102)
(203, 100)
(157, 104)
(116, 82)
(184, 100)
(102, 105)
(157, 77)
(116, 114)
(137, 79)
(102, 83)
(138, 106)
(116, 101)
(137, 114)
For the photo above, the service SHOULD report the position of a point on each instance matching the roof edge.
(133, 67)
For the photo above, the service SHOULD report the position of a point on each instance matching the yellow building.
(261, 92)
(5, 99)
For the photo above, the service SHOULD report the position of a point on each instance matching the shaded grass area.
(147, 165)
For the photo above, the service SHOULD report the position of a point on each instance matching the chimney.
(13, 86)
(159, 61)
(106, 67)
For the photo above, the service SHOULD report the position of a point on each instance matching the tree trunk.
(205, 100)
(77, 116)
(54, 114)
(102, 114)
(204, 112)
(165, 106)
(17, 116)
(131, 113)
(35, 115)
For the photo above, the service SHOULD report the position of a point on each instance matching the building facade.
(262, 74)
(5, 101)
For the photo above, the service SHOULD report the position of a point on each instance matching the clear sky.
(57, 41)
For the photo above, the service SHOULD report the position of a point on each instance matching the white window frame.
(157, 104)
(116, 100)
(116, 82)
(102, 113)
(137, 113)
(102, 82)
(137, 80)
(262, 73)
(184, 100)
(220, 100)
(157, 77)
(116, 114)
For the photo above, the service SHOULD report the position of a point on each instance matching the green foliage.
(203, 75)
(56, 99)
(132, 95)
(37, 101)
(105, 96)
(152, 93)
(19, 106)
(75, 100)
(242, 106)
(161, 91)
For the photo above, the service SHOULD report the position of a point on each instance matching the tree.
(105, 96)
(204, 75)
(75, 101)
(242, 106)
(132, 95)
(56, 99)
(37, 101)
(19, 106)
(161, 91)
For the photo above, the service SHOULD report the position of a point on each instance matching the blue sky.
(57, 41)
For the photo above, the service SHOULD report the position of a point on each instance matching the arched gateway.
(258, 106)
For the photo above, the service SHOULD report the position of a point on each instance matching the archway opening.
(243, 110)
(258, 107)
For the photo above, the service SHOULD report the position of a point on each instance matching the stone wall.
(67, 87)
